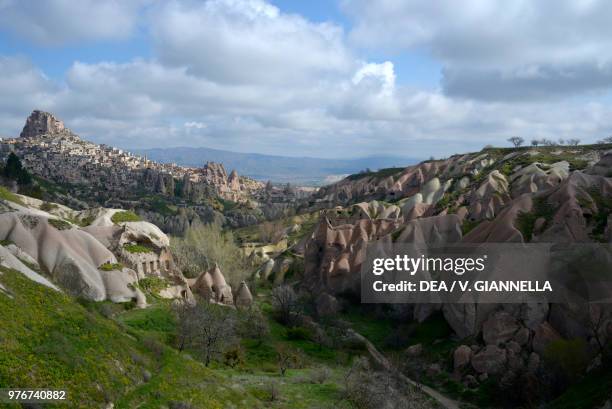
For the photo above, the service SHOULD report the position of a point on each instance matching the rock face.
(475, 198)
(334, 254)
(543, 336)
(462, 357)
(499, 328)
(119, 237)
(70, 255)
(491, 360)
(41, 123)
(104, 174)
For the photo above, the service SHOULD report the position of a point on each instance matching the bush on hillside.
(125, 216)
(203, 246)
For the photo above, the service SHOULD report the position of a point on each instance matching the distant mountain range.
(278, 169)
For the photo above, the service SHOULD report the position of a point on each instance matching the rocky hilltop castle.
(54, 152)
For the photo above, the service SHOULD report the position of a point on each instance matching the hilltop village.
(52, 151)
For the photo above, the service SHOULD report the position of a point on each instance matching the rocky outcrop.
(41, 123)
(244, 298)
(71, 256)
(499, 328)
(491, 360)
(211, 287)
(462, 357)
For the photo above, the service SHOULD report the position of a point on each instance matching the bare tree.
(573, 141)
(548, 142)
(271, 232)
(607, 139)
(516, 141)
(535, 142)
(599, 319)
(186, 322)
(287, 358)
(207, 328)
(285, 304)
(561, 141)
(253, 325)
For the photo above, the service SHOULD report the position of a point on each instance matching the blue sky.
(318, 78)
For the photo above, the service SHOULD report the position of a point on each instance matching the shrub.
(288, 358)
(204, 246)
(234, 356)
(254, 325)
(271, 232)
(285, 304)
(46, 206)
(111, 266)
(125, 216)
(154, 346)
(570, 357)
(137, 248)
(152, 284)
(60, 224)
(297, 334)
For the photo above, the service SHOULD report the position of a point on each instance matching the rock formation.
(41, 123)
(524, 196)
(72, 257)
(211, 287)
(244, 298)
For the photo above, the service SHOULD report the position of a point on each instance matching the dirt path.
(381, 360)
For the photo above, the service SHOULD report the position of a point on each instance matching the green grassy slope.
(51, 341)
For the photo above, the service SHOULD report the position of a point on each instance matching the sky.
(333, 79)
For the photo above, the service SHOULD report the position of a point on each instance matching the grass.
(53, 342)
(160, 205)
(156, 320)
(125, 216)
(6, 194)
(379, 174)
(372, 327)
(60, 224)
(6, 243)
(111, 266)
(546, 156)
(137, 248)
(104, 352)
(152, 284)
(590, 392)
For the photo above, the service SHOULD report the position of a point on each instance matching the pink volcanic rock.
(499, 328)
(502, 229)
(543, 336)
(334, 255)
(491, 360)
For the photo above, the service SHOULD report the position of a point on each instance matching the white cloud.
(250, 41)
(497, 50)
(195, 124)
(58, 22)
(242, 75)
